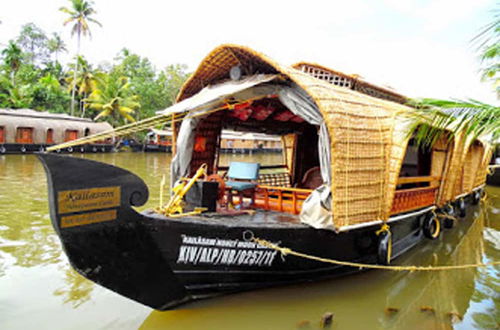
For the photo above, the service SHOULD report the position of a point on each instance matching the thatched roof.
(360, 127)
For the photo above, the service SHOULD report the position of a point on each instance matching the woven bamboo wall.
(440, 151)
(483, 166)
(471, 166)
(452, 171)
(368, 136)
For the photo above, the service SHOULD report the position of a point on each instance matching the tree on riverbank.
(113, 99)
(80, 15)
(27, 81)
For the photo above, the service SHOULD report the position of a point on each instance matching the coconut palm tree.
(113, 98)
(13, 57)
(85, 81)
(79, 15)
(56, 45)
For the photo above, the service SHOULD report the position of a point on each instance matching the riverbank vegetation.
(127, 88)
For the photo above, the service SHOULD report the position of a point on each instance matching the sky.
(418, 48)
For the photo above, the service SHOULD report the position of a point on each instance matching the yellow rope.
(445, 216)
(286, 251)
(384, 227)
(490, 168)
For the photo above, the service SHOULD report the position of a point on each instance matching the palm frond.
(436, 118)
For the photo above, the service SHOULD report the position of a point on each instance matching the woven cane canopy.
(368, 135)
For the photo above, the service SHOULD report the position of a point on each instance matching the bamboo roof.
(361, 131)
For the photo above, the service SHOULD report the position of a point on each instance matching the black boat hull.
(493, 179)
(164, 262)
(20, 148)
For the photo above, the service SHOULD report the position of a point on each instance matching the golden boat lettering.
(70, 201)
(88, 218)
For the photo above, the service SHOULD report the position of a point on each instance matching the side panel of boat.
(493, 179)
(211, 257)
(102, 235)
(18, 148)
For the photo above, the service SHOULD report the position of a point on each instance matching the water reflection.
(36, 280)
(76, 289)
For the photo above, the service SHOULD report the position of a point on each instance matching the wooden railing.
(280, 199)
(406, 200)
(419, 179)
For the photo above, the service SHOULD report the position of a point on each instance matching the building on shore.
(26, 131)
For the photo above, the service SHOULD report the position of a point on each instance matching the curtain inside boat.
(316, 208)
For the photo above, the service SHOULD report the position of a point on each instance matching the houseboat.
(249, 143)
(230, 142)
(353, 187)
(27, 131)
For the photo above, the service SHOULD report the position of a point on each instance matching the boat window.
(24, 135)
(164, 140)
(70, 135)
(2, 134)
(50, 136)
(306, 172)
(416, 164)
(87, 132)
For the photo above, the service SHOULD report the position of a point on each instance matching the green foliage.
(155, 91)
(12, 56)
(488, 41)
(434, 118)
(80, 14)
(113, 99)
(56, 45)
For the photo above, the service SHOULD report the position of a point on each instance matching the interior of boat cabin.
(283, 187)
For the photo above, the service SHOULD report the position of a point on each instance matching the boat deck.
(235, 217)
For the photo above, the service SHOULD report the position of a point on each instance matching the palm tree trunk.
(74, 74)
(83, 104)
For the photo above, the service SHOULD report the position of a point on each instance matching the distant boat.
(230, 142)
(27, 131)
(352, 185)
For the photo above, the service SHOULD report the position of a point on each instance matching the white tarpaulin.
(216, 93)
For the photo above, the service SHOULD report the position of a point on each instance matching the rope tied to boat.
(490, 168)
(287, 251)
(384, 228)
(444, 216)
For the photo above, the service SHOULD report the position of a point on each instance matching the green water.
(39, 290)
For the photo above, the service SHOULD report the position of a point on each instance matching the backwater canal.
(39, 290)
